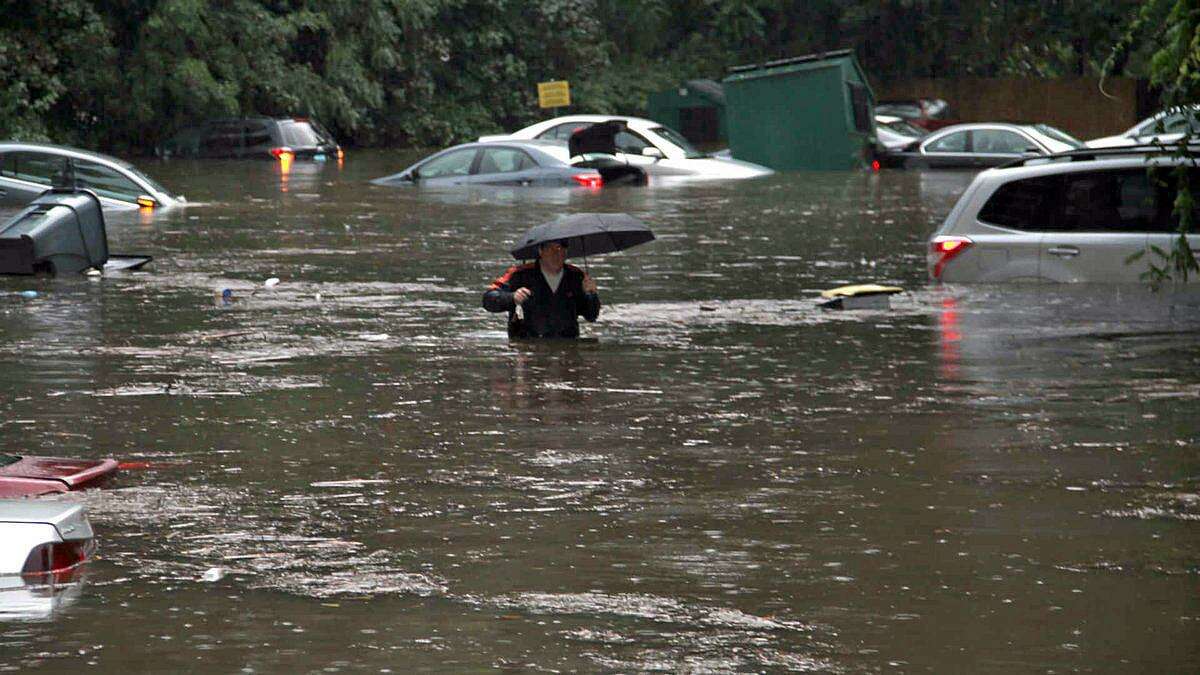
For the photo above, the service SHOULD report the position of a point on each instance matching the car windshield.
(133, 171)
(1058, 135)
(147, 180)
(909, 110)
(903, 128)
(677, 138)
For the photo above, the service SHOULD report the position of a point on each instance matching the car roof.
(966, 126)
(633, 121)
(538, 147)
(66, 150)
(523, 143)
(259, 118)
(1090, 158)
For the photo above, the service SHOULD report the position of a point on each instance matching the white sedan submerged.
(1165, 128)
(656, 149)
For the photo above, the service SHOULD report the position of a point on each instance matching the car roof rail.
(1088, 154)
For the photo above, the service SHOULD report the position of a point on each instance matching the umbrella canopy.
(585, 234)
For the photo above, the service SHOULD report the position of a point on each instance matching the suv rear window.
(1118, 200)
(1023, 204)
(299, 135)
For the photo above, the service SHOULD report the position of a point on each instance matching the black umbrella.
(586, 234)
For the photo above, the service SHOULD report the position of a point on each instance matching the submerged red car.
(26, 476)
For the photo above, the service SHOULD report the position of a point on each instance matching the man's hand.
(589, 284)
(522, 294)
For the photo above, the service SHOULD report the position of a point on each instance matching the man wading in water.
(544, 299)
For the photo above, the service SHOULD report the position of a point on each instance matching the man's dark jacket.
(548, 314)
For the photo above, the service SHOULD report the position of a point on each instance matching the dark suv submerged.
(254, 137)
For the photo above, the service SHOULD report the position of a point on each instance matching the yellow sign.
(554, 94)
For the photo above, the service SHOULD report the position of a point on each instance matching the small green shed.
(808, 112)
(695, 109)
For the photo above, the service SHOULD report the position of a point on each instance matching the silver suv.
(1073, 217)
(29, 169)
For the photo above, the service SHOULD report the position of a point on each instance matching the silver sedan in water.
(527, 163)
(29, 169)
(979, 145)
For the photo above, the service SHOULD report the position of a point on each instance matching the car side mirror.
(411, 176)
(1031, 151)
(652, 152)
(146, 201)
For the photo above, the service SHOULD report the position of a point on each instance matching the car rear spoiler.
(66, 517)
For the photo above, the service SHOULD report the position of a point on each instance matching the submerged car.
(28, 476)
(29, 169)
(895, 133)
(655, 148)
(1075, 217)
(927, 113)
(512, 163)
(255, 138)
(43, 542)
(1166, 127)
(968, 146)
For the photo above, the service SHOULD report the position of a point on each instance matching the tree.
(1175, 71)
(50, 54)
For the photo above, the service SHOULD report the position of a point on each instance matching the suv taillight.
(944, 248)
(591, 180)
(57, 557)
(280, 152)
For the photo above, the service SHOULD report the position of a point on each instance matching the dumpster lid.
(795, 60)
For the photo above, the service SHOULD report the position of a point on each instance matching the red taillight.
(588, 180)
(944, 249)
(280, 152)
(875, 165)
(341, 154)
(57, 557)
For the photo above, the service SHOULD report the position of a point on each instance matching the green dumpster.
(809, 112)
(695, 108)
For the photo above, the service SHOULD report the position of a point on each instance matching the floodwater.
(355, 471)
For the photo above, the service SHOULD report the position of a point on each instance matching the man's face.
(553, 255)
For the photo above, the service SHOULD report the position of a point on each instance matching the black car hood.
(600, 137)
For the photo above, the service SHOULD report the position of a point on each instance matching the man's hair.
(560, 242)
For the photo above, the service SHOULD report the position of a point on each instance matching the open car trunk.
(596, 147)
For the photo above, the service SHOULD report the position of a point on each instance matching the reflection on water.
(354, 469)
(22, 600)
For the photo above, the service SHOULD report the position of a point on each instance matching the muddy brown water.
(356, 471)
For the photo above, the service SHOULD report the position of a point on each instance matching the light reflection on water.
(726, 477)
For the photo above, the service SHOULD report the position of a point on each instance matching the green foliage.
(1172, 27)
(126, 75)
(51, 53)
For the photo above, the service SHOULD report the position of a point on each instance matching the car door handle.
(1063, 251)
